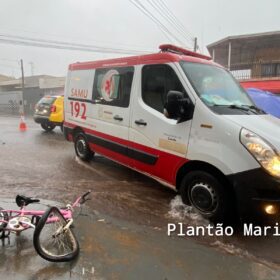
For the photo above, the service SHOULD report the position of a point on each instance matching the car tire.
(82, 148)
(207, 194)
(48, 126)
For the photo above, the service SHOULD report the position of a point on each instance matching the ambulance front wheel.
(207, 195)
(82, 148)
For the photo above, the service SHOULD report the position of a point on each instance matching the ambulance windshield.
(217, 88)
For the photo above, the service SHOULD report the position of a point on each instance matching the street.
(123, 228)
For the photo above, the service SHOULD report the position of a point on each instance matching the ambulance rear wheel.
(207, 195)
(82, 147)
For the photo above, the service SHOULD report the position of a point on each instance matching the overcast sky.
(119, 24)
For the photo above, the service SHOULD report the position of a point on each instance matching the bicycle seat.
(22, 200)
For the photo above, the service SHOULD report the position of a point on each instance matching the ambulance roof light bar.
(178, 50)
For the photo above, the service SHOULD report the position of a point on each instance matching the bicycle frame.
(66, 213)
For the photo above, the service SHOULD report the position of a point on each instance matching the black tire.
(53, 247)
(61, 128)
(48, 126)
(207, 194)
(82, 148)
(3, 216)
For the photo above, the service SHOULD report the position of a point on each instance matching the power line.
(160, 23)
(71, 44)
(154, 19)
(8, 66)
(65, 45)
(179, 23)
(148, 15)
(71, 39)
(159, 8)
(11, 60)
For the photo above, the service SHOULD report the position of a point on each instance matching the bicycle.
(53, 238)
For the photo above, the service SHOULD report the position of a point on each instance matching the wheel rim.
(55, 241)
(81, 147)
(204, 197)
(48, 126)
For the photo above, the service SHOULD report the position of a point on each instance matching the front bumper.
(41, 119)
(45, 119)
(255, 190)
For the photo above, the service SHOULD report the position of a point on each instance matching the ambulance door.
(111, 94)
(160, 144)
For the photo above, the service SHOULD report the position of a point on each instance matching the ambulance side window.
(157, 81)
(112, 86)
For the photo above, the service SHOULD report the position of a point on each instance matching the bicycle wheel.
(52, 240)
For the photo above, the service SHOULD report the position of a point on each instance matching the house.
(254, 59)
(35, 87)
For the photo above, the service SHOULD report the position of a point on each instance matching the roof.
(4, 78)
(52, 82)
(161, 57)
(247, 37)
(32, 81)
(243, 47)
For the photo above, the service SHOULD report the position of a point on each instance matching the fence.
(10, 102)
(256, 70)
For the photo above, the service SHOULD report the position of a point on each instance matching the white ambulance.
(183, 120)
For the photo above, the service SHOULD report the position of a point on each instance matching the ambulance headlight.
(262, 151)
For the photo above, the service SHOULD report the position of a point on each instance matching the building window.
(113, 86)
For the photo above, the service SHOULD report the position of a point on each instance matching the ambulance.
(183, 120)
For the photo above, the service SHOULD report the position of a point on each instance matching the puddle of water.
(89, 167)
(233, 250)
(182, 212)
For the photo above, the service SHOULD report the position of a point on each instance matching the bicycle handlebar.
(84, 197)
(81, 199)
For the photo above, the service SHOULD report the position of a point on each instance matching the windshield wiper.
(233, 106)
(253, 107)
(246, 108)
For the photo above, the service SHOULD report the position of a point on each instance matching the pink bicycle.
(53, 238)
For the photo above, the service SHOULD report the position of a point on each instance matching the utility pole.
(195, 44)
(22, 88)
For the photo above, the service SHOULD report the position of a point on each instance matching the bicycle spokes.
(53, 237)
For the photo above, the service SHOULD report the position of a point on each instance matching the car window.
(157, 81)
(47, 100)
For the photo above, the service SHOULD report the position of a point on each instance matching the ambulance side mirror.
(178, 107)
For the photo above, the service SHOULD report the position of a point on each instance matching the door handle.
(118, 118)
(140, 122)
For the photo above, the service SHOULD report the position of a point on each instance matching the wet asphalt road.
(123, 231)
